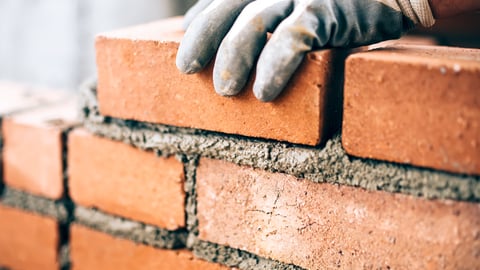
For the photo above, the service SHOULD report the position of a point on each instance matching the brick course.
(95, 250)
(27, 240)
(327, 164)
(125, 181)
(324, 226)
(414, 105)
(138, 79)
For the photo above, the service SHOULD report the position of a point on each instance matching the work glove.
(238, 30)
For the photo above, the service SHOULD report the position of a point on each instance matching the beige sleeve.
(418, 11)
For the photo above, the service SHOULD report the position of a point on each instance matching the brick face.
(27, 241)
(15, 98)
(320, 226)
(143, 58)
(125, 181)
(95, 250)
(414, 105)
(33, 149)
(33, 159)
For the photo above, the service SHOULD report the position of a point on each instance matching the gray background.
(51, 42)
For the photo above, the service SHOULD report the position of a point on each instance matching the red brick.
(33, 149)
(27, 241)
(15, 97)
(323, 226)
(95, 250)
(122, 180)
(138, 79)
(414, 105)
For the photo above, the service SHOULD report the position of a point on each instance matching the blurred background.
(51, 42)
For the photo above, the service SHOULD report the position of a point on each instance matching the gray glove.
(238, 30)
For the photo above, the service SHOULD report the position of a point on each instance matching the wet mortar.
(128, 229)
(327, 163)
(32, 203)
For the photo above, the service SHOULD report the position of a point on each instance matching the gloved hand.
(238, 30)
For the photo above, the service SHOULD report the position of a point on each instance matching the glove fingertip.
(265, 92)
(226, 91)
(226, 88)
(188, 67)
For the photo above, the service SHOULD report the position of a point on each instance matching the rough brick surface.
(95, 250)
(15, 97)
(414, 105)
(33, 149)
(126, 181)
(27, 241)
(137, 79)
(319, 226)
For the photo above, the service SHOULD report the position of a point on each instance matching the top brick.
(417, 105)
(138, 79)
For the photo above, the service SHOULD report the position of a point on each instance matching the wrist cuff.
(418, 11)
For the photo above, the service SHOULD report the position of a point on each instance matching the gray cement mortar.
(237, 258)
(32, 203)
(130, 230)
(327, 163)
(64, 257)
(190, 164)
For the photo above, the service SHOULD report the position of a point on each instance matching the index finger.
(206, 31)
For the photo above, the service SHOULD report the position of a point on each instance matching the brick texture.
(414, 105)
(137, 79)
(323, 226)
(95, 250)
(15, 97)
(126, 181)
(33, 149)
(27, 241)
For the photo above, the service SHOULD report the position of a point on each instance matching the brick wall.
(369, 160)
(35, 209)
